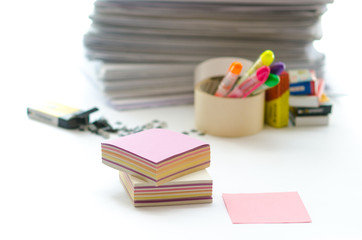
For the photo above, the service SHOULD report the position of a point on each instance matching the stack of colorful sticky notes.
(156, 159)
(192, 188)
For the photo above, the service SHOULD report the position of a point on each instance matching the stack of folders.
(161, 167)
(142, 53)
(308, 104)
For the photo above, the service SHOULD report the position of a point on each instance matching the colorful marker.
(277, 68)
(272, 81)
(229, 80)
(250, 84)
(265, 59)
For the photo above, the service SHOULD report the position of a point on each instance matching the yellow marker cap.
(236, 68)
(267, 57)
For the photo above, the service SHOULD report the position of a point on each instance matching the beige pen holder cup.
(221, 116)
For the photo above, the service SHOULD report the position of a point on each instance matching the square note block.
(156, 155)
(284, 207)
(192, 188)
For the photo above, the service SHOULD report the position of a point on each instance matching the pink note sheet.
(157, 145)
(278, 207)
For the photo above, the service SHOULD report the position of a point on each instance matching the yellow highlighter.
(265, 59)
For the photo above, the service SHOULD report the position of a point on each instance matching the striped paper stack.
(192, 188)
(157, 159)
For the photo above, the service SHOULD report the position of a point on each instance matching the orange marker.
(229, 80)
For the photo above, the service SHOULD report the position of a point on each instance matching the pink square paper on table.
(281, 207)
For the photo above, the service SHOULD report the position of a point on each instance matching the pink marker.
(250, 84)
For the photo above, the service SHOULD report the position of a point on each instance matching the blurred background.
(42, 45)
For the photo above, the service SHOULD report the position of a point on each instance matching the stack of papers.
(193, 188)
(142, 53)
(156, 156)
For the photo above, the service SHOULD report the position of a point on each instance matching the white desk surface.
(54, 186)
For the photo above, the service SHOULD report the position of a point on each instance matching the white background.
(54, 186)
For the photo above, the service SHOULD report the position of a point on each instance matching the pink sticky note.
(281, 207)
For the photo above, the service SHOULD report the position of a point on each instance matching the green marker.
(272, 81)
